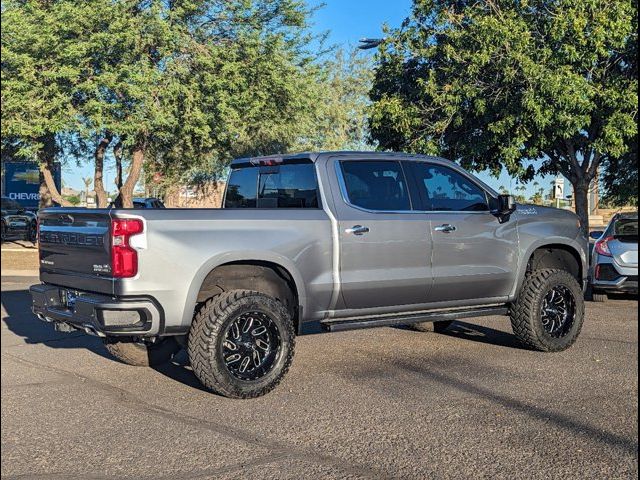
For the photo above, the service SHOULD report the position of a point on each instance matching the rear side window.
(281, 186)
(626, 227)
(376, 185)
(447, 190)
(242, 188)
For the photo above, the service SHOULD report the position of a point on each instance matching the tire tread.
(523, 309)
(207, 325)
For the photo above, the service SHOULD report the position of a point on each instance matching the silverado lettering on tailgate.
(63, 238)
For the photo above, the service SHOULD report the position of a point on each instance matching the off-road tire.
(599, 297)
(32, 234)
(141, 354)
(526, 317)
(437, 327)
(206, 339)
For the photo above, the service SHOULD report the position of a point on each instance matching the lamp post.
(369, 43)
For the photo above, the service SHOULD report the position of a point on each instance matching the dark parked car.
(149, 202)
(17, 222)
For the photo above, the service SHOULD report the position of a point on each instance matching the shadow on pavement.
(393, 375)
(478, 333)
(482, 334)
(179, 370)
(575, 426)
(26, 244)
(21, 321)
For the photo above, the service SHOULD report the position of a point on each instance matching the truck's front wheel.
(241, 343)
(549, 311)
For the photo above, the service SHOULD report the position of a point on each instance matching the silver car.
(614, 261)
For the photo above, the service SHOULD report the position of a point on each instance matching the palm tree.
(87, 183)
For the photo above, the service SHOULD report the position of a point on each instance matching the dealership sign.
(21, 182)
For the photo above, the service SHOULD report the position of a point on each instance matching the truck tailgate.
(75, 248)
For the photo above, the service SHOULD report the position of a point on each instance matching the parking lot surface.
(381, 403)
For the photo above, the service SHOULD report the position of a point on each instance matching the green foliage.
(339, 117)
(493, 83)
(38, 74)
(73, 199)
(620, 179)
(183, 86)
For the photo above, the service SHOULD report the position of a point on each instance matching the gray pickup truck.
(317, 241)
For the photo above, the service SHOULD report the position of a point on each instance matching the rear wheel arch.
(266, 277)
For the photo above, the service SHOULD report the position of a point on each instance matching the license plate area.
(68, 298)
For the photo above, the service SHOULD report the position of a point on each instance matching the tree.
(183, 86)
(87, 183)
(339, 117)
(179, 86)
(510, 84)
(39, 65)
(620, 179)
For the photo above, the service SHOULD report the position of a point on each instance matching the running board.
(404, 319)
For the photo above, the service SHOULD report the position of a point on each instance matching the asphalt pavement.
(380, 403)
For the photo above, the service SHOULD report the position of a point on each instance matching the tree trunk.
(98, 185)
(46, 158)
(581, 196)
(45, 196)
(117, 153)
(125, 198)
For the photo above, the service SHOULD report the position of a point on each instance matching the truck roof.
(313, 156)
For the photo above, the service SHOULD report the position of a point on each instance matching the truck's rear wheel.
(437, 327)
(549, 311)
(142, 354)
(241, 343)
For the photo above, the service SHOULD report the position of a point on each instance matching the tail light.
(602, 247)
(124, 258)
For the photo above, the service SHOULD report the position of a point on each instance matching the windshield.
(626, 227)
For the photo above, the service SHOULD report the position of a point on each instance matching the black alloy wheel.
(558, 311)
(251, 346)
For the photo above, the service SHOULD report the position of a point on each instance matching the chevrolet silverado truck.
(303, 243)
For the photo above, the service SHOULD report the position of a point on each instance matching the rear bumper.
(623, 284)
(96, 314)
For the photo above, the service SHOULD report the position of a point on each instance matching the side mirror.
(506, 204)
(596, 234)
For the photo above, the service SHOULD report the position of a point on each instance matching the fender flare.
(241, 256)
(540, 243)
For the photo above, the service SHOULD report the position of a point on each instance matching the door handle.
(446, 228)
(357, 230)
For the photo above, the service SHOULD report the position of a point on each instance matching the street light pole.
(369, 43)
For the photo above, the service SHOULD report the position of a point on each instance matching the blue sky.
(347, 21)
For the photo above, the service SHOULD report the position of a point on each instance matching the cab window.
(446, 190)
(376, 185)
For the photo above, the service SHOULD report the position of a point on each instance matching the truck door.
(385, 246)
(474, 255)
